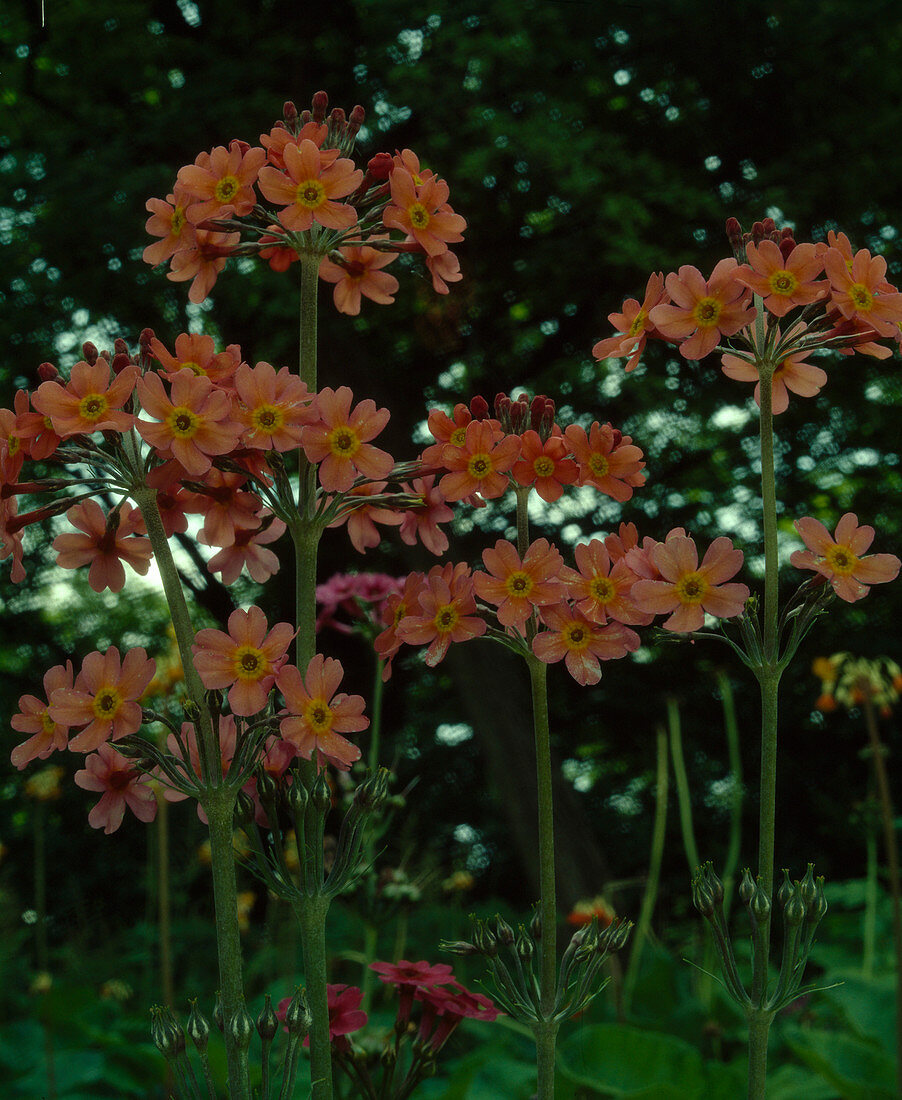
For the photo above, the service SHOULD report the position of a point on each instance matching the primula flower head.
(480, 464)
(319, 713)
(606, 459)
(702, 311)
(309, 186)
(840, 557)
(273, 407)
(545, 465)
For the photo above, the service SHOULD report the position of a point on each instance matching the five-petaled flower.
(34, 718)
(702, 311)
(104, 543)
(446, 609)
(581, 643)
(783, 282)
(310, 185)
(518, 587)
(840, 557)
(318, 713)
(91, 401)
(122, 785)
(340, 440)
(246, 660)
(359, 273)
(480, 464)
(633, 326)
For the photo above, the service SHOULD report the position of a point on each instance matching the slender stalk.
(311, 915)
(892, 858)
(371, 936)
(869, 930)
(163, 904)
(658, 833)
(759, 1029)
(731, 730)
(682, 784)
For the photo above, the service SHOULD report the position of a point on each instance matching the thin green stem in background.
(684, 797)
(731, 730)
(869, 923)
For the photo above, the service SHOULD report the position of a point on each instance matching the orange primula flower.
(601, 586)
(273, 406)
(91, 401)
(581, 643)
(359, 273)
(34, 718)
(104, 698)
(202, 262)
(168, 221)
(702, 311)
(839, 557)
(319, 713)
(860, 293)
(518, 587)
(121, 783)
(246, 660)
(607, 459)
(198, 353)
(793, 373)
(447, 609)
(446, 430)
(340, 440)
(313, 179)
(687, 590)
(104, 544)
(546, 466)
(419, 208)
(480, 464)
(224, 183)
(633, 325)
(783, 282)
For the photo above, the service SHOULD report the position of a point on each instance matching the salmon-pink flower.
(202, 262)
(272, 406)
(423, 520)
(359, 273)
(226, 506)
(198, 353)
(168, 221)
(311, 182)
(362, 520)
(345, 1014)
(421, 211)
(122, 785)
(226, 740)
(26, 432)
(195, 421)
(581, 643)
(340, 440)
(633, 325)
(518, 587)
(784, 282)
(34, 718)
(702, 311)
(600, 586)
(480, 465)
(249, 551)
(91, 401)
(318, 716)
(544, 465)
(246, 660)
(104, 698)
(398, 605)
(279, 136)
(859, 292)
(688, 589)
(607, 459)
(446, 609)
(444, 269)
(104, 544)
(445, 430)
(225, 184)
(793, 373)
(840, 558)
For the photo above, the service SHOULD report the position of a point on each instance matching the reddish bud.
(380, 166)
(320, 103)
(89, 353)
(120, 361)
(355, 121)
(536, 412)
(786, 245)
(734, 232)
(479, 408)
(241, 145)
(289, 112)
(47, 372)
(120, 347)
(337, 117)
(146, 337)
(769, 226)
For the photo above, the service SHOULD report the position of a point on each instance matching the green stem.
(163, 904)
(682, 784)
(371, 936)
(870, 907)
(311, 915)
(659, 829)
(732, 733)
(759, 1029)
(309, 265)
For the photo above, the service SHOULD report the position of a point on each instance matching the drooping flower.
(360, 596)
(359, 273)
(34, 717)
(702, 311)
(687, 590)
(581, 643)
(397, 607)
(445, 1007)
(480, 465)
(784, 282)
(793, 373)
(545, 465)
(202, 262)
(633, 326)
(841, 557)
(194, 423)
(105, 542)
(447, 612)
(249, 551)
(227, 507)
(607, 459)
(340, 440)
(246, 660)
(104, 698)
(423, 520)
(319, 713)
(273, 407)
(518, 587)
(411, 977)
(122, 785)
(362, 520)
(309, 186)
(91, 401)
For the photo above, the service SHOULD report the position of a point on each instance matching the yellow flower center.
(226, 188)
(602, 589)
(192, 366)
(543, 466)
(183, 422)
(479, 466)
(576, 636)
(519, 584)
(310, 193)
(706, 312)
(47, 723)
(106, 704)
(178, 221)
(268, 419)
(12, 445)
(862, 297)
(318, 715)
(841, 560)
(343, 442)
(92, 407)
(250, 664)
(782, 282)
(458, 437)
(691, 588)
(639, 324)
(419, 215)
(598, 464)
(446, 618)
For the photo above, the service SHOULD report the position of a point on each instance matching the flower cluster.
(779, 301)
(300, 193)
(848, 681)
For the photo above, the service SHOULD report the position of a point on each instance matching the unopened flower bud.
(241, 1028)
(702, 895)
(320, 103)
(535, 927)
(89, 353)
(459, 947)
(794, 910)
(245, 810)
(267, 1021)
(297, 1016)
(266, 784)
(337, 118)
(525, 947)
(619, 936)
(485, 941)
(297, 797)
(356, 119)
(198, 1028)
(47, 372)
(817, 908)
(289, 112)
(120, 347)
(734, 232)
(746, 887)
(479, 407)
(760, 904)
(379, 167)
(320, 795)
(807, 888)
(503, 931)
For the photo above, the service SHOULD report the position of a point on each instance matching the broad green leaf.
(623, 1061)
(858, 1069)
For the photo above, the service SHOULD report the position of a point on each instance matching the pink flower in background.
(245, 660)
(411, 978)
(345, 1014)
(340, 440)
(91, 401)
(839, 558)
(687, 590)
(122, 785)
(445, 1007)
(793, 373)
(318, 716)
(34, 718)
(361, 596)
(633, 326)
(105, 543)
(104, 698)
(702, 311)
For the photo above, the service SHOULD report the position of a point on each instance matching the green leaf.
(868, 1004)
(796, 1083)
(858, 1069)
(623, 1061)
